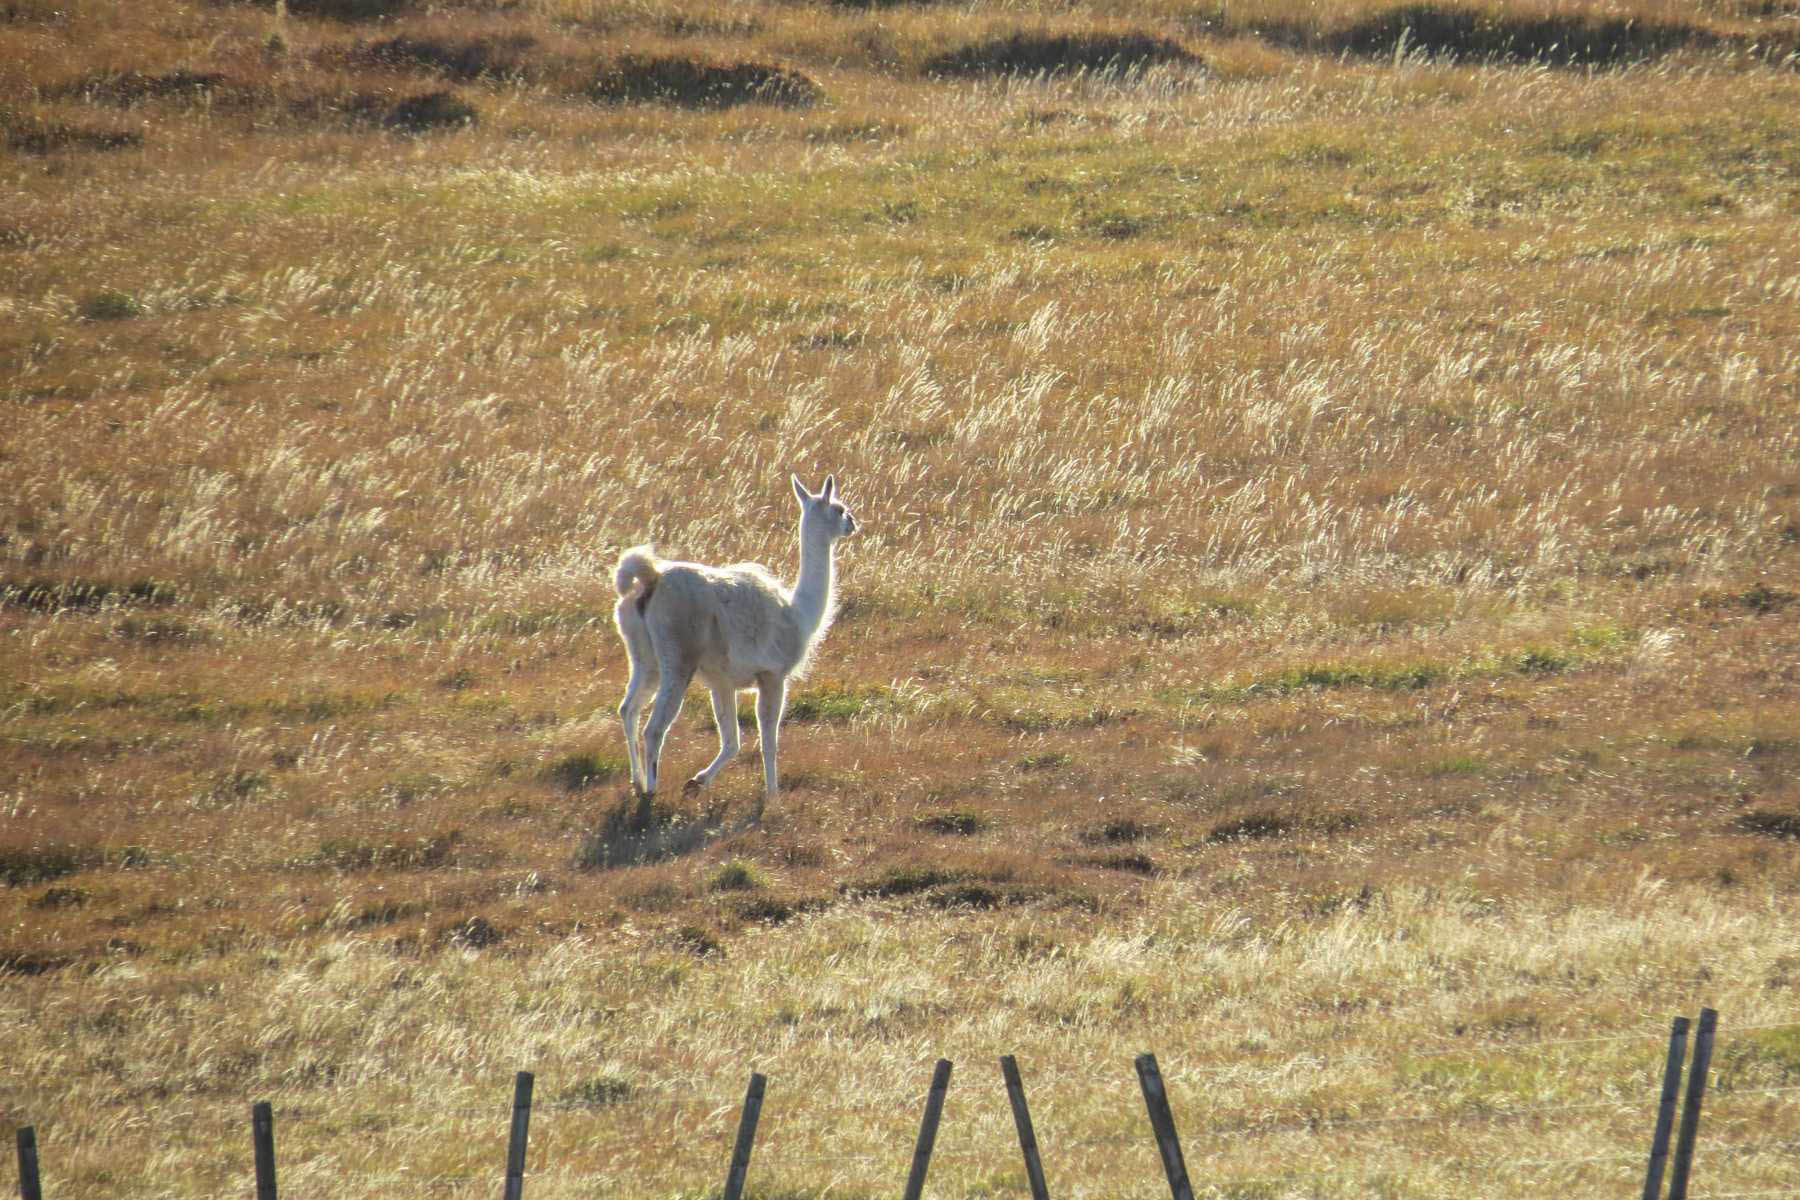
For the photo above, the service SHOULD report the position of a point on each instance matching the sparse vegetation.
(1325, 607)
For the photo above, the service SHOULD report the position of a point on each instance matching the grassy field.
(1326, 611)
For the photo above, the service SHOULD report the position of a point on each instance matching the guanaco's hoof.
(693, 785)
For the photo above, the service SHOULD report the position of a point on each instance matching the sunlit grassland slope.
(1325, 608)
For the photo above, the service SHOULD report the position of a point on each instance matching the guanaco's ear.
(800, 492)
(830, 487)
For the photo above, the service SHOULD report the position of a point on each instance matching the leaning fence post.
(1162, 1121)
(1690, 1109)
(1665, 1109)
(521, 1131)
(29, 1186)
(740, 1154)
(1015, 1092)
(934, 1108)
(262, 1140)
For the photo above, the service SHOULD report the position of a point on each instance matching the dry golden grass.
(1325, 609)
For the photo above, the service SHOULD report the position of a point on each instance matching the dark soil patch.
(1052, 54)
(691, 83)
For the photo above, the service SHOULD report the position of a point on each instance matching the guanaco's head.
(823, 510)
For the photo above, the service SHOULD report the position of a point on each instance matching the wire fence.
(1670, 1152)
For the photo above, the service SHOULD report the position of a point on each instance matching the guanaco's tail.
(639, 569)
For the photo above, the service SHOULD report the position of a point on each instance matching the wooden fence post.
(1015, 1092)
(1690, 1109)
(521, 1132)
(934, 1108)
(1162, 1122)
(1665, 1109)
(262, 1141)
(740, 1154)
(30, 1188)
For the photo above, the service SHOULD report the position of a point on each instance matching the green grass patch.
(1760, 1058)
(1392, 677)
(736, 876)
(833, 703)
(1476, 1084)
(586, 768)
(1457, 764)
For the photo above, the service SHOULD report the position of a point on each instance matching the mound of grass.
(777, 910)
(1053, 54)
(465, 59)
(699, 941)
(1118, 831)
(905, 880)
(961, 823)
(1130, 862)
(1760, 600)
(1557, 39)
(692, 83)
(1253, 826)
(1770, 823)
(735, 876)
(27, 136)
(22, 866)
(125, 88)
(109, 305)
(475, 933)
(61, 897)
(426, 853)
(599, 1092)
(351, 10)
(86, 595)
(430, 110)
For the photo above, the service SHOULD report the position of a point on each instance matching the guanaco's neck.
(812, 591)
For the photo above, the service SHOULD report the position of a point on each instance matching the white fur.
(735, 627)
